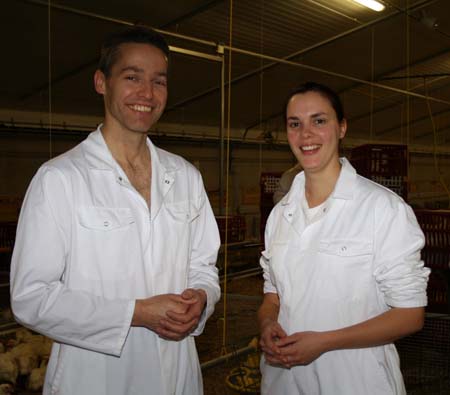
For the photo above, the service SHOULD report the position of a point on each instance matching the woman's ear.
(342, 128)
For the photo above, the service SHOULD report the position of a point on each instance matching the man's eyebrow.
(132, 68)
(139, 70)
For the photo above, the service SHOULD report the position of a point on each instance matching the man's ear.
(99, 82)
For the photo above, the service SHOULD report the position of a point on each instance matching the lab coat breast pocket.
(107, 243)
(345, 269)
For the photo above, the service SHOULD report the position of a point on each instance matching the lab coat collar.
(346, 182)
(164, 168)
(99, 157)
(96, 152)
(344, 190)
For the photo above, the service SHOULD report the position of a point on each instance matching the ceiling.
(337, 42)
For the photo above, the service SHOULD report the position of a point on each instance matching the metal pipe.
(217, 361)
(7, 329)
(320, 5)
(334, 74)
(241, 275)
(302, 52)
(196, 54)
(7, 129)
(95, 61)
(251, 53)
(417, 120)
(118, 21)
(422, 76)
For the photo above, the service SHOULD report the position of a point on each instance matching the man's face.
(135, 93)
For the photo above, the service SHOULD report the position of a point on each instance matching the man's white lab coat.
(357, 257)
(87, 247)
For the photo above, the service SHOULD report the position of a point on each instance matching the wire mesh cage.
(425, 357)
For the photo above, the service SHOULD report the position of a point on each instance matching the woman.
(342, 269)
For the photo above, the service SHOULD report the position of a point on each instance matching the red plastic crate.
(435, 225)
(236, 228)
(385, 164)
(7, 234)
(7, 238)
(380, 160)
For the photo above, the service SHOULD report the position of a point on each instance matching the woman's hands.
(301, 348)
(271, 333)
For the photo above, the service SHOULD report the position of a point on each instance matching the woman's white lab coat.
(357, 257)
(87, 247)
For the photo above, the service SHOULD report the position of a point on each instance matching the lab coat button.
(106, 223)
(120, 179)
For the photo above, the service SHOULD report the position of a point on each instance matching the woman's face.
(313, 131)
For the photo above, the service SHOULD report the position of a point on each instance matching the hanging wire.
(227, 177)
(50, 112)
(437, 168)
(372, 56)
(408, 55)
(261, 85)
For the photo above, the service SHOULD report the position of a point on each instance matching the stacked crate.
(385, 164)
(233, 226)
(269, 183)
(435, 225)
(7, 238)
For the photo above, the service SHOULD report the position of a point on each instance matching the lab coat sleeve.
(399, 271)
(205, 244)
(40, 296)
(264, 261)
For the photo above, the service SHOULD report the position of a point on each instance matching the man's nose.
(146, 90)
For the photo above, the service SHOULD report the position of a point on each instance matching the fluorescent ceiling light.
(372, 4)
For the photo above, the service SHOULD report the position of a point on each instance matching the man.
(116, 244)
(285, 182)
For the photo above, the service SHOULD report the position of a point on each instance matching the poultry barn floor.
(244, 297)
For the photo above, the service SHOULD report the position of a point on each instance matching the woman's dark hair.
(322, 90)
(134, 34)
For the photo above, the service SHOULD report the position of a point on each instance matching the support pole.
(221, 51)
